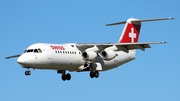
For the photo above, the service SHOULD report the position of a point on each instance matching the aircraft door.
(48, 51)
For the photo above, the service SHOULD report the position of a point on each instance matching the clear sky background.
(153, 76)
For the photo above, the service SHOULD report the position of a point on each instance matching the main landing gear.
(64, 76)
(93, 74)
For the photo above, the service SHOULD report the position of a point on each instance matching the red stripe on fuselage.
(57, 47)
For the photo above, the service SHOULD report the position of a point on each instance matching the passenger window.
(35, 51)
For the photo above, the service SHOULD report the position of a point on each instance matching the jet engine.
(89, 55)
(108, 54)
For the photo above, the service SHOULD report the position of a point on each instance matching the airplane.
(91, 57)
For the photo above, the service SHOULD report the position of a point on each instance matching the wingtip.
(163, 42)
(170, 18)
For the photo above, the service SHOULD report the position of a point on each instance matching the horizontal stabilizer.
(138, 20)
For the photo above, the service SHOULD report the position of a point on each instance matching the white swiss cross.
(132, 35)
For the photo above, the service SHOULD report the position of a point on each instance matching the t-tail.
(131, 31)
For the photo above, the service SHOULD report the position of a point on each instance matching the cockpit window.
(39, 50)
(33, 50)
(29, 50)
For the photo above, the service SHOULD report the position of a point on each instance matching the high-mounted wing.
(13, 56)
(120, 46)
(131, 46)
(84, 46)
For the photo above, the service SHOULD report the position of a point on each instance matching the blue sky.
(153, 76)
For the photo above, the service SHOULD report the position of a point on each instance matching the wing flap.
(126, 48)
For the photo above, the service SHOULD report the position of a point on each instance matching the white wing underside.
(121, 46)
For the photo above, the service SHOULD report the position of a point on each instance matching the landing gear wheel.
(96, 74)
(91, 74)
(27, 73)
(63, 77)
(68, 76)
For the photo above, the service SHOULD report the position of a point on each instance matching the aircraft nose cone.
(21, 60)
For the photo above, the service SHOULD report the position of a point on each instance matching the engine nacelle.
(108, 54)
(89, 55)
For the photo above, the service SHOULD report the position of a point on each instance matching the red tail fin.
(132, 28)
(131, 31)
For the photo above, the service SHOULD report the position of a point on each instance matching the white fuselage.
(92, 57)
(67, 57)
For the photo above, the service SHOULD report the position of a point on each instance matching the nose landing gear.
(27, 73)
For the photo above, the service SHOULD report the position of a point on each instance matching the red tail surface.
(131, 31)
